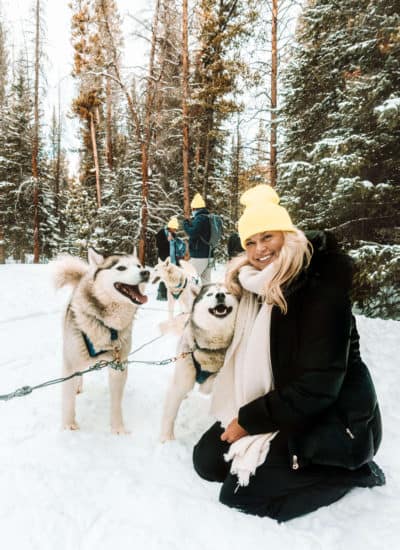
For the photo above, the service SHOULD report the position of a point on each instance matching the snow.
(90, 490)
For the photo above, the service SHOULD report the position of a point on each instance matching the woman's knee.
(208, 457)
(208, 465)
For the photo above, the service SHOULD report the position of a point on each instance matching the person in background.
(298, 421)
(198, 230)
(234, 245)
(169, 245)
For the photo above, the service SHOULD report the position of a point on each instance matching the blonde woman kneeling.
(298, 419)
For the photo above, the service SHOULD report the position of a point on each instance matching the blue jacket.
(198, 229)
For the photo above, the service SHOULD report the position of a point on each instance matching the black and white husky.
(206, 336)
(98, 322)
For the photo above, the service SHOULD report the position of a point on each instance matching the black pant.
(276, 490)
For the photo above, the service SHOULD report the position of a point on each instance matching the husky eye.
(139, 266)
(209, 294)
(121, 268)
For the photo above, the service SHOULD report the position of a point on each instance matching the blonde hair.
(294, 256)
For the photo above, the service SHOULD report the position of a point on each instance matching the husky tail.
(68, 270)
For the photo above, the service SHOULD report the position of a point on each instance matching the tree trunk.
(108, 125)
(145, 210)
(185, 109)
(237, 174)
(274, 79)
(208, 149)
(95, 158)
(58, 159)
(147, 139)
(35, 144)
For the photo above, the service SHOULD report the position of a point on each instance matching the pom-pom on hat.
(262, 213)
(198, 201)
(173, 223)
(259, 193)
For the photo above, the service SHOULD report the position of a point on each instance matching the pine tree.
(4, 214)
(222, 27)
(3, 63)
(15, 165)
(341, 168)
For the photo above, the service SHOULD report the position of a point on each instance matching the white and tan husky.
(182, 282)
(206, 336)
(98, 323)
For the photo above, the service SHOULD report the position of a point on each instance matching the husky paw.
(73, 426)
(120, 431)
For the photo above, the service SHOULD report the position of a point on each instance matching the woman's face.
(263, 248)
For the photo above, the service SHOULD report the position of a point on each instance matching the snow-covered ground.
(90, 490)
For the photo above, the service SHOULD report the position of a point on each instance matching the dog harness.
(89, 344)
(181, 287)
(201, 375)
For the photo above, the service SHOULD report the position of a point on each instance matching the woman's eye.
(121, 268)
(249, 243)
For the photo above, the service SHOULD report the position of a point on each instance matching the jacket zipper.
(295, 464)
(350, 433)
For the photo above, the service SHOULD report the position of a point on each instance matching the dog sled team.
(296, 417)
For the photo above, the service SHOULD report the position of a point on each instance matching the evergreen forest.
(303, 95)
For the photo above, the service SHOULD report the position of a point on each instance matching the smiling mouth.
(132, 292)
(265, 258)
(220, 311)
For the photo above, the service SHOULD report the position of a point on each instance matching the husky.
(202, 346)
(98, 322)
(182, 282)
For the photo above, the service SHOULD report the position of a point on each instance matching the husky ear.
(94, 257)
(167, 261)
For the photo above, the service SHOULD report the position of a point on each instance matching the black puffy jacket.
(324, 399)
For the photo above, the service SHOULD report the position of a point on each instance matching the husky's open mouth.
(221, 310)
(132, 292)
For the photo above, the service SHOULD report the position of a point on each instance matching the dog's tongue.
(133, 292)
(138, 296)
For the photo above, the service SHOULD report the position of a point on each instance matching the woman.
(169, 245)
(298, 420)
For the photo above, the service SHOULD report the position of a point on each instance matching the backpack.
(216, 230)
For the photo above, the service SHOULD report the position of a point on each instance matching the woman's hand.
(233, 432)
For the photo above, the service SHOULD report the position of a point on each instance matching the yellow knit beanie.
(173, 223)
(262, 213)
(198, 201)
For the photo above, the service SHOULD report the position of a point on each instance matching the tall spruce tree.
(3, 185)
(223, 26)
(340, 168)
(15, 165)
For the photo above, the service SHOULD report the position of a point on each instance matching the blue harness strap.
(89, 344)
(201, 375)
(180, 290)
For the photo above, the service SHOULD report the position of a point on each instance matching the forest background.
(209, 96)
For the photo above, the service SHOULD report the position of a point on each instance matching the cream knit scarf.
(246, 373)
